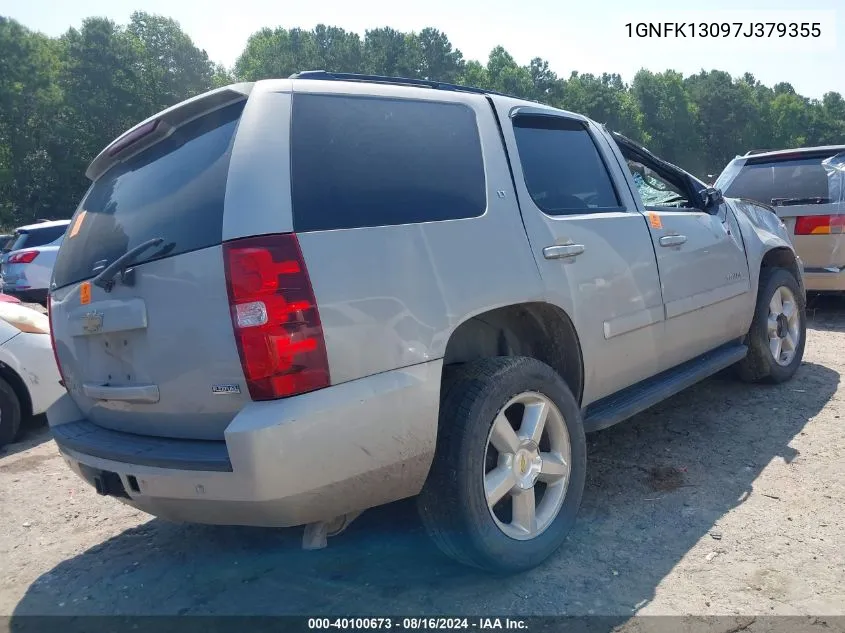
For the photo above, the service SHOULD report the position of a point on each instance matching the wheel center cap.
(783, 326)
(527, 464)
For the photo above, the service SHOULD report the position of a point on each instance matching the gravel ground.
(727, 499)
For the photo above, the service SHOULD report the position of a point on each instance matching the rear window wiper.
(789, 202)
(105, 279)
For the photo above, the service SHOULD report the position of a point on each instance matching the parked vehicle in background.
(806, 188)
(28, 266)
(29, 378)
(283, 302)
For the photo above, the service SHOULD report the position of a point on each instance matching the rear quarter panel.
(388, 296)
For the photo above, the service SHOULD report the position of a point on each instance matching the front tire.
(508, 475)
(779, 329)
(10, 413)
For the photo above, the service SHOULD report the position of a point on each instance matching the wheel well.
(782, 257)
(537, 330)
(19, 387)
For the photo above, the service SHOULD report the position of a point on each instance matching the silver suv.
(283, 302)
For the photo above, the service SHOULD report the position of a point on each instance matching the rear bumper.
(304, 459)
(824, 280)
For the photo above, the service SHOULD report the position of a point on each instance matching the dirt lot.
(727, 499)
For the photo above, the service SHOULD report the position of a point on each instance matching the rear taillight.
(53, 339)
(820, 224)
(23, 258)
(275, 318)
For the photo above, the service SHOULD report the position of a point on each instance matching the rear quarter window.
(368, 161)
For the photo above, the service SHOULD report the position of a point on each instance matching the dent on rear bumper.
(309, 458)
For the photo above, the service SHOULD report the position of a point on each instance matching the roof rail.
(399, 81)
(751, 152)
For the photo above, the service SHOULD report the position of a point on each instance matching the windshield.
(173, 190)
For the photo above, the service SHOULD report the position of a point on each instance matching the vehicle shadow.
(825, 311)
(656, 485)
(34, 431)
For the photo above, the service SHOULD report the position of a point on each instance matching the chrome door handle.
(672, 240)
(562, 252)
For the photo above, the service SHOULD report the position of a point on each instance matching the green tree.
(63, 99)
(276, 54)
(725, 118)
(507, 76)
(437, 60)
(29, 103)
(391, 52)
(605, 99)
(337, 50)
(172, 68)
(667, 115)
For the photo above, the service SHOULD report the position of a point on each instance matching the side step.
(624, 404)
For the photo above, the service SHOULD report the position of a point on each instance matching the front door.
(701, 257)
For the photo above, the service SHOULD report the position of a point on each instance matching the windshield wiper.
(788, 202)
(105, 279)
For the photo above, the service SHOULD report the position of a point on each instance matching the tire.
(760, 364)
(10, 414)
(453, 504)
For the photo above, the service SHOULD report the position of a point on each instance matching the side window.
(563, 169)
(365, 161)
(655, 190)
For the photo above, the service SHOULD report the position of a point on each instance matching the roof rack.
(399, 81)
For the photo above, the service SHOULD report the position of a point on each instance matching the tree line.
(63, 99)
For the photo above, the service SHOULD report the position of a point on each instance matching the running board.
(624, 404)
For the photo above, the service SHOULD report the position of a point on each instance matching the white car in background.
(29, 376)
(28, 266)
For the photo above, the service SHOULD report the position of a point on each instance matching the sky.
(585, 36)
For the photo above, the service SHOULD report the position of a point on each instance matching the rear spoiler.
(161, 125)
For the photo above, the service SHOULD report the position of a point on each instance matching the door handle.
(562, 252)
(672, 240)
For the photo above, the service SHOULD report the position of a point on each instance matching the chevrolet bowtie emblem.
(523, 464)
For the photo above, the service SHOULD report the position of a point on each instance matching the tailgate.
(153, 352)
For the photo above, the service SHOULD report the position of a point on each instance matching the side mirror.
(711, 199)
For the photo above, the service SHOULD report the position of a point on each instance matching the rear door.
(590, 242)
(149, 355)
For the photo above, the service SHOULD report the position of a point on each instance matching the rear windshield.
(783, 180)
(173, 190)
(368, 161)
(38, 237)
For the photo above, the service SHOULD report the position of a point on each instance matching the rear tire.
(10, 414)
(486, 403)
(779, 329)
